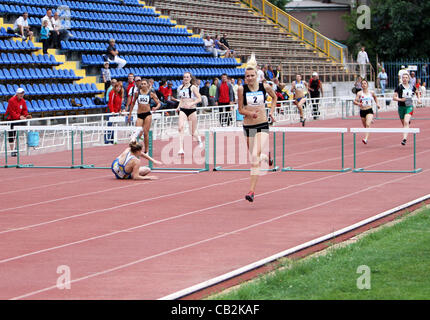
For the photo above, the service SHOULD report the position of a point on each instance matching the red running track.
(147, 240)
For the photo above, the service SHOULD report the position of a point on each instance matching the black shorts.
(252, 130)
(188, 112)
(364, 113)
(144, 115)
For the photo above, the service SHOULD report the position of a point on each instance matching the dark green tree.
(280, 3)
(399, 30)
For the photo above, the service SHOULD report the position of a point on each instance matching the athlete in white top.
(127, 164)
(189, 97)
(299, 88)
(364, 100)
(142, 97)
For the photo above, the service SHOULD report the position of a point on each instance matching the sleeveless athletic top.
(366, 99)
(254, 98)
(300, 85)
(143, 98)
(119, 169)
(186, 92)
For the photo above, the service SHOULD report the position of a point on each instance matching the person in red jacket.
(115, 98)
(16, 110)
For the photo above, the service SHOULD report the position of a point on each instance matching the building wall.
(331, 24)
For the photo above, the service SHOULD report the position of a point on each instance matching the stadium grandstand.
(150, 39)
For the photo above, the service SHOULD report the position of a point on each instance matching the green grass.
(398, 257)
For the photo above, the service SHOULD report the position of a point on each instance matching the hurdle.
(73, 130)
(3, 131)
(179, 170)
(237, 129)
(285, 130)
(413, 131)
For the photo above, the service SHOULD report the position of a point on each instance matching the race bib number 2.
(255, 98)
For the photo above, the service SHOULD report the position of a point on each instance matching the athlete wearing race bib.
(364, 99)
(404, 96)
(251, 104)
(142, 97)
(189, 97)
(299, 88)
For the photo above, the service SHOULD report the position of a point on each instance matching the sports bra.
(300, 85)
(186, 93)
(366, 99)
(254, 98)
(143, 98)
(119, 169)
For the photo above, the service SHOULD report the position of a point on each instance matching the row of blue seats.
(118, 27)
(132, 48)
(41, 89)
(95, 60)
(176, 72)
(136, 38)
(53, 105)
(11, 45)
(23, 58)
(4, 34)
(86, 15)
(56, 3)
(38, 74)
(39, 6)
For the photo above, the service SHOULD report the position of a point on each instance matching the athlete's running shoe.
(364, 141)
(303, 120)
(404, 142)
(270, 160)
(250, 196)
(181, 152)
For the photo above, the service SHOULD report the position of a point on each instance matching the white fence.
(165, 122)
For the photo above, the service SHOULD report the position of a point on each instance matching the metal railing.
(299, 29)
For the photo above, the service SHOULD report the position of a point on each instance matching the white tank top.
(186, 93)
(300, 85)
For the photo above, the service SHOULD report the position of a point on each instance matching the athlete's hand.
(158, 162)
(272, 117)
(379, 107)
(255, 114)
(129, 118)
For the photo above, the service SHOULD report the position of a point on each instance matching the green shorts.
(405, 110)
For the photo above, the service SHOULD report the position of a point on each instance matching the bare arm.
(272, 93)
(241, 108)
(149, 158)
(155, 98)
(198, 96)
(357, 100)
(376, 99)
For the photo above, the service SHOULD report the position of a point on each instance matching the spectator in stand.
(113, 55)
(413, 79)
(106, 76)
(132, 87)
(224, 41)
(44, 36)
(52, 35)
(270, 74)
(423, 92)
(382, 78)
(221, 49)
(171, 101)
(115, 98)
(212, 92)
(210, 46)
(112, 84)
(260, 75)
(357, 85)
(22, 28)
(316, 91)
(362, 60)
(62, 33)
(235, 87)
(16, 110)
(277, 72)
(225, 97)
(204, 92)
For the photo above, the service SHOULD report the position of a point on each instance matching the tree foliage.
(280, 3)
(399, 30)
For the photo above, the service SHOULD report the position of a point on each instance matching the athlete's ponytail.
(135, 147)
(252, 63)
